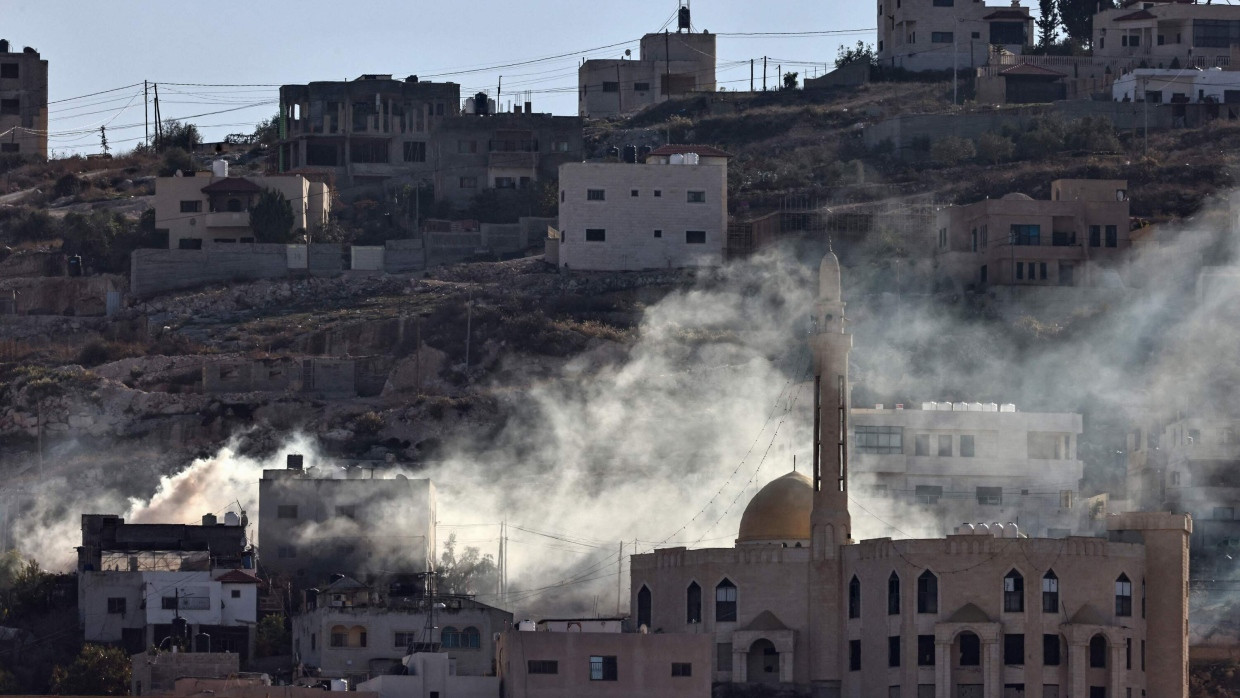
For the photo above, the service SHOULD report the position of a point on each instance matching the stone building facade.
(669, 65)
(1166, 34)
(194, 209)
(920, 35)
(23, 102)
(1074, 239)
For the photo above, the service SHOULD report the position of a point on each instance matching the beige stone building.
(670, 211)
(196, 207)
(669, 65)
(1077, 238)
(1166, 34)
(922, 35)
(952, 462)
(986, 612)
(23, 102)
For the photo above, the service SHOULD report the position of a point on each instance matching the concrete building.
(970, 462)
(670, 211)
(378, 131)
(1176, 86)
(137, 584)
(604, 664)
(155, 672)
(985, 612)
(1166, 34)
(1078, 238)
(668, 65)
(354, 631)
(23, 102)
(430, 675)
(920, 35)
(316, 522)
(217, 208)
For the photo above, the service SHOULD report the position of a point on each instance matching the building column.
(785, 667)
(942, 669)
(1118, 669)
(1078, 668)
(740, 666)
(992, 669)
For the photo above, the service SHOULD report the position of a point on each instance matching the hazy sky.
(253, 47)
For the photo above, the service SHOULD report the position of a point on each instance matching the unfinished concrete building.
(920, 35)
(318, 521)
(23, 102)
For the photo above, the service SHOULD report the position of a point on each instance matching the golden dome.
(779, 512)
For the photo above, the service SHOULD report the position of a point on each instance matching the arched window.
(450, 637)
(970, 649)
(340, 636)
(1013, 592)
(643, 607)
(1123, 596)
(725, 602)
(1050, 592)
(357, 636)
(1098, 652)
(893, 595)
(927, 593)
(693, 603)
(471, 638)
(234, 205)
(854, 598)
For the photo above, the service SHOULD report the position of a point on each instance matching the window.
(682, 669)
(1063, 239)
(1026, 235)
(467, 146)
(611, 87)
(693, 604)
(944, 3)
(928, 494)
(878, 439)
(723, 656)
(439, 109)
(1013, 593)
(602, 668)
(116, 604)
(596, 235)
(415, 151)
(966, 446)
(191, 207)
(925, 650)
(10, 106)
(559, 147)
(970, 650)
(927, 593)
(1112, 236)
(633, 193)
(921, 445)
(1050, 592)
(505, 183)
(893, 650)
(236, 593)
(1041, 270)
(1098, 652)
(404, 640)
(1007, 33)
(695, 237)
(697, 197)
(725, 602)
(234, 206)
(643, 87)
(450, 637)
(1224, 513)
(339, 636)
(543, 666)
(945, 445)
(992, 496)
(893, 594)
(643, 607)
(9, 71)
(974, 240)
(941, 37)
(1128, 653)
(1215, 33)
(1123, 596)
(468, 183)
(285, 552)
(596, 195)
(10, 147)
(1014, 649)
(854, 655)
(348, 511)
(983, 274)
(1020, 270)
(1050, 650)
(658, 233)
(286, 511)
(470, 638)
(658, 193)
(854, 598)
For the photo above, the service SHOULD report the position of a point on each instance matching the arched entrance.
(763, 662)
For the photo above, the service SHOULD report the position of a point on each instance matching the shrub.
(368, 423)
(993, 148)
(952, 150)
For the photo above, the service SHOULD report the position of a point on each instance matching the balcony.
(228, 219)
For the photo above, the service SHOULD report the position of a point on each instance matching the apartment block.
(921, 35)
(23, 102)
(977, 462)
(1077, 238)
(670, 211)
(1166, 34)
(668, 65)
(196, 207)
(1175, 86)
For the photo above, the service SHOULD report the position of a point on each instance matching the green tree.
(1047, 22)
(177, 135)
(470, 573)
(1077, 18)
(271, 218)
(952, 150)
(99, 670)
(993, 148)
(176, 159)
(1095, 135)
(790, 81)
(863, 53)
(272, 637)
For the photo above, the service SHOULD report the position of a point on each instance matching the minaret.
(829, 521)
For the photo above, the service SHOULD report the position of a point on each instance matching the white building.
(1162, 34)
(970, 462)
(922, 35)
(671, 211)
(1167, 86)
(430, 675)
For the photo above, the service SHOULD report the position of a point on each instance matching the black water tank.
(180, 628)
(613, 152)
(295, 461)
(202, 642)
(630, 154)
(481, 104)
(75, 265)
(4, 45)
(682, 22)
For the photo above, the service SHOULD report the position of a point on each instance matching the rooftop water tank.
(1011, 530)
(527, 626)
(1007, 407)
(981, 529)
(996, 529)
(219, 168)
(231, 518)
(929, 406)
(965, 529)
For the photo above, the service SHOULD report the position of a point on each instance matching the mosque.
(984, 613)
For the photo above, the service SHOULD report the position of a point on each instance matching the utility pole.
(499, 90)
(619, 576)
(469, 316)
(159, 128)
(667, 63)
(751, 75)
(619, 92)
(779, 73)
(146, 114)
(764, 73)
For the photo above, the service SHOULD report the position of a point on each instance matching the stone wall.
(403, 256)
(60, 295)
(152, 271)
